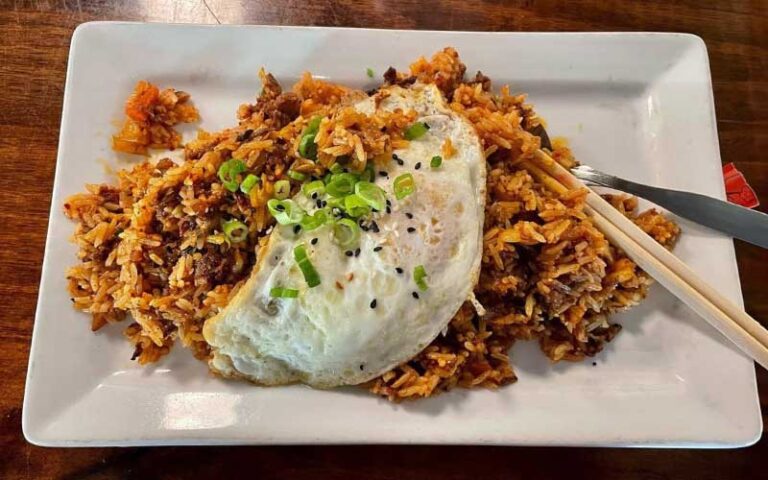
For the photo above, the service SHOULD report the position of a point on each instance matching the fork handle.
(734, 220)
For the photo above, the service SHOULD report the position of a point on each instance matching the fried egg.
(368, 314)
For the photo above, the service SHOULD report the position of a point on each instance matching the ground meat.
(213, 268)
(391, 78)
(185, 225)
(109, 193)
(482, 80)
(164, 164)
(282, 110)
(167, 203)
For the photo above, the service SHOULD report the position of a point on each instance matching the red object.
(737, 189)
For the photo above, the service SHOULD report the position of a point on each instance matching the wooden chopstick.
(668, 270)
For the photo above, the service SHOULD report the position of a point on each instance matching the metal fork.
(734, 220)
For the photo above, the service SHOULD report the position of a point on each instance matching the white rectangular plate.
(638, 104)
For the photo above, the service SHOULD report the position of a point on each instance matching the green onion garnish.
(286, 212)
(371, 194)
(416, 130)
(282, 189)
(228, 172)
(356, 206)
(327, 178)
(298, 176)
(314, 125)
(336, 168)
(404, 185)
(346, 233)
(341, 185)
(307, 269)
(282, 292)
(250, 181)
(436, 161)
(307, 146)
(369, 72)
(368, 173)
(419, 275)
(317, 219)
(235, 230)
(314, 187)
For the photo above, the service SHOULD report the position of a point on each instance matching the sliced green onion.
(307, 146)
(419, 275)
(235, 230)
(335, 202)
(369, 72)
(317, 219)
(327, 178)
(228, 172)
(368, 173)
(314, 125)
(307, 269)
(355, 206)
(282, 189)
(250, 181)
(346, 233)
(341, 185)
(316, 186)
(416, 130)
(282, 292)
(436, 161)
(336, 168)
(371, 194)
(298, 176)
(404, 185)
(286, 212)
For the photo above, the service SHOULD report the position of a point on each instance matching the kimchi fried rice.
(152, 247)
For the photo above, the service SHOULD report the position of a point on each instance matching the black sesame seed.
(377, 249)
(594, 364)
(395, 157)
(318, 204)
(426, 125)
(349, 253)
(364, 228)
(373, 303)
(280, 207)
(415, 295)
(389, 204)
(323, 203)
(399, 270)
(389, 210)
(400, 161)
(297, 229)
(411, 229)
(375, 227)
(383, 174)
(314, 241)
(417, 166)
(314, 195)
(357, 252)
(361, 367)
(409, 215)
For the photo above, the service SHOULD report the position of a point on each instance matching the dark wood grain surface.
(34, 43)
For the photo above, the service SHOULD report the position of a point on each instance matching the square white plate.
(636, 104)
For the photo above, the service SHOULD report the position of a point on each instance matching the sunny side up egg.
(368, 314)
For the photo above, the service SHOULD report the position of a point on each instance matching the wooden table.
(34, 42)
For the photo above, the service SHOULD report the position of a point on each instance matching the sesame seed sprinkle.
(417, 166)
(297, 229)
(411, 229)
(409, 215)
(415, 295)
(314, 241)
(349, 253)
(399, 270)
(373, 303)
(357, 252)
(378, 248)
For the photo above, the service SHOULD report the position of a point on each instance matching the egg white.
(331, 335)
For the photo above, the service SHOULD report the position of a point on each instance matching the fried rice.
(152, 248)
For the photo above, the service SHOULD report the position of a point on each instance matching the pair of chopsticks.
(734, 323)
